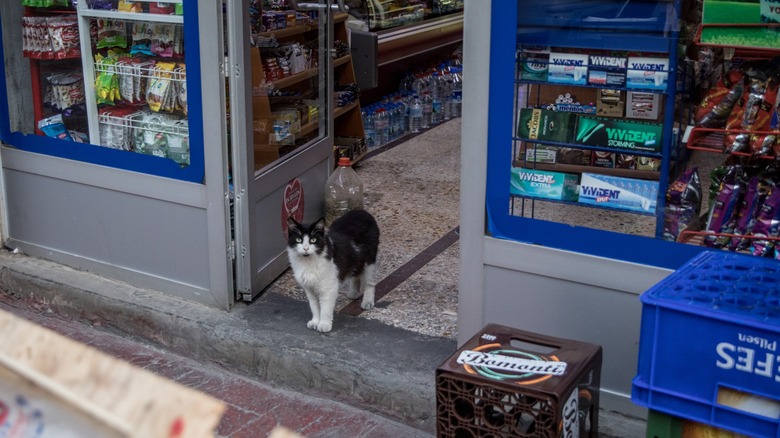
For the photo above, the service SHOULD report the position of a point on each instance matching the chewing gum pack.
(617, 192)
(543, 184)
(568, 68)
(647, 73)
(607, 70)
(535, 62)
(619, 134)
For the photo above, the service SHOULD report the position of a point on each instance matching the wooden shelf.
(341, 110)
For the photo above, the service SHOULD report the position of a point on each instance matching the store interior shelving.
(272, 92)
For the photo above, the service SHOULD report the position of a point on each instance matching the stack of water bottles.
(423, 100)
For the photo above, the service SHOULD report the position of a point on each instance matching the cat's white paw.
(324, 327)
(313, 324)
(367, 305)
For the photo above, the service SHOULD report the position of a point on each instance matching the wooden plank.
(120, 399)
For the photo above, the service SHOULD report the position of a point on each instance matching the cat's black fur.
(322, 258)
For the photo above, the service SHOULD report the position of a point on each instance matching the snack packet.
(722, 211)
(746, 213)
(767, 224)
(717, 105)
(683, 204)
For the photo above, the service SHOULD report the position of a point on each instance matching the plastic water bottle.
(427, 109)
(403, 114)
(368, 127)
(343, 191)
(437, 110)
(400, 115)
(382, 126)
(457, 91)
(446, 88)
(416, 115)
(419, 85)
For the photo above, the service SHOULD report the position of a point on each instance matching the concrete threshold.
(361, 362)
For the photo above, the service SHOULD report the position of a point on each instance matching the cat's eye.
(298, 240)
(313, 240)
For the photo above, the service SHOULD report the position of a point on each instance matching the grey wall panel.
(572, 310)
(139, 239)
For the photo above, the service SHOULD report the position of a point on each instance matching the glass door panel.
(280, 122)
(289, 71)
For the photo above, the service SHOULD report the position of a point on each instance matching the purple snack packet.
(683, 203)
(722, 211)
(767, 224)
(746, 216)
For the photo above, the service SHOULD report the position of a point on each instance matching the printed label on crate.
(570, 416)
(495, 361)
(750, 354)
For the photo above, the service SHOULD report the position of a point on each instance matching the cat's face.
(306, 240)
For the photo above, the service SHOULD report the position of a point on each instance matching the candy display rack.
(547, 40)
(45, 61)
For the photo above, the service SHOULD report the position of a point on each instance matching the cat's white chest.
(313, 271)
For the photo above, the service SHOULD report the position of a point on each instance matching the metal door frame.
(249, 184)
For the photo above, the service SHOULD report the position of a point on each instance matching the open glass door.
(279, 69)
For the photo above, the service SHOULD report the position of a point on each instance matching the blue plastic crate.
(709, 343)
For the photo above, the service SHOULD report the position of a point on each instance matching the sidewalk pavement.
(363, 379)
(253, 409)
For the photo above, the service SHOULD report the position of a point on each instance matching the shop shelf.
(574, 168)
(600, 87)
(131, 16)
(588, 147)
(598, 207)
(760, 40)
(711, 140)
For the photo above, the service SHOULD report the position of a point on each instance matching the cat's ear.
(291, 222)
(320, 225)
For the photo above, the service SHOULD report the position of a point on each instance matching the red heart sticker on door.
(292, 203)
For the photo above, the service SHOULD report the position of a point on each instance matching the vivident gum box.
(542, 184)
(607, 70)
(647, 73)
(617, 192)
(568, 68)
(614, 133)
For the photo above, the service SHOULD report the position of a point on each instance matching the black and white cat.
(321, 258)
